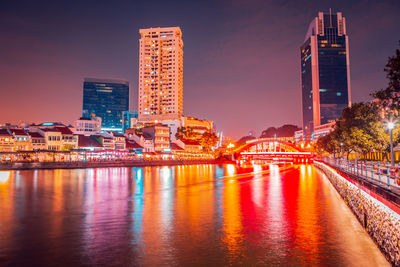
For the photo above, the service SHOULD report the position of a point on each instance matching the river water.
(178, 216)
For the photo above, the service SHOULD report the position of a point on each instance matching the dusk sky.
(241, 57)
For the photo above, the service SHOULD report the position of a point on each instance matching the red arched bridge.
(270, 149)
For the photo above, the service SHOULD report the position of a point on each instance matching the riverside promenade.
(104, 164)
(375, 204)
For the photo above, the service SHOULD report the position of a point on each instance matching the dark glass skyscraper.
(325, 71)
(106, 99)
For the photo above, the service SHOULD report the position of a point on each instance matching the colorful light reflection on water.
(182, 215)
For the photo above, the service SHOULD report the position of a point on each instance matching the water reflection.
(182, 215)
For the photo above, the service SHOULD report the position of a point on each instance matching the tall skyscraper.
(160, 74)
(107, 99)
(325, 71)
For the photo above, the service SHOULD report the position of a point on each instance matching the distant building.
(87, 126)
(106, 140)
(160, 135)
(88, 143)
(22, 140)
(319, 131)
(129, 119)
(6, 141)
(143, 139)
(131, 145)
(173, 126)
(325, 71)
(69, 140)
(38, 141)
(107, 99)
(53, 138)
(119, 141)
(188, 145)
(197, 126)
(160, 74)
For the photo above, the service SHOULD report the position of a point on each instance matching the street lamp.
(390, 126)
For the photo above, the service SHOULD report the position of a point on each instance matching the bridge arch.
(270, 148)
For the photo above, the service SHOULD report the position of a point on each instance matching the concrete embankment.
(102, 164)
(380, 216)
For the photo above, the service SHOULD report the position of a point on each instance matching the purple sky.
(241, 57)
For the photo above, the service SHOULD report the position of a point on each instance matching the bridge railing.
(376, 172)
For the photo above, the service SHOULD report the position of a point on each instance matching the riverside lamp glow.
(390, 126)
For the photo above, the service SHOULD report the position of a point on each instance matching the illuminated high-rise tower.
(160, 74)
(325, 71)
(107, 99)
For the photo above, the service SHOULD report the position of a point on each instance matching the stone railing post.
(372, 170)
(357, 167)
(379, 171)
(362, 169)
(388, 174)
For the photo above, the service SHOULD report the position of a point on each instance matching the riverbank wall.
(103, 164)
(379, 216)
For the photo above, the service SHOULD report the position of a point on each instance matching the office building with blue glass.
(107, 99)
(325, 72)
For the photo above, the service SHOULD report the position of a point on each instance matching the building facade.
(53, 138)
(7, 142)
(22, 140)
(160, 134)
(160, 74)
(325, 71)
(87, 126)
(129, 119)
(319, 131)
(107, 99)
(38, 141)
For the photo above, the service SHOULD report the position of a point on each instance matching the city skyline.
(217, 86)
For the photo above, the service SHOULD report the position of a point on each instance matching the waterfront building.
(325, 71)
(160, 74)
(189, 145)
(107, 99)
(106, 140)
(176, 149)
(6, 141)
(131, 145)
(53, 138)
(88, 143)
(160, 136)
(119, 141)
(87, 126)
(143, 139)
(38, 141)
(173, 126)
(69, 140)
(199, 127)
(22, 140)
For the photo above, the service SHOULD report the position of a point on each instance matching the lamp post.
(390, 126)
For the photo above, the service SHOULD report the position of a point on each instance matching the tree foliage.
(286, 130)
(244, 139)
(389, 97)
(360, 129)
(185, 133)
(208, 140)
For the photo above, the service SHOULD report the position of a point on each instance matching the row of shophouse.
(56, 137)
